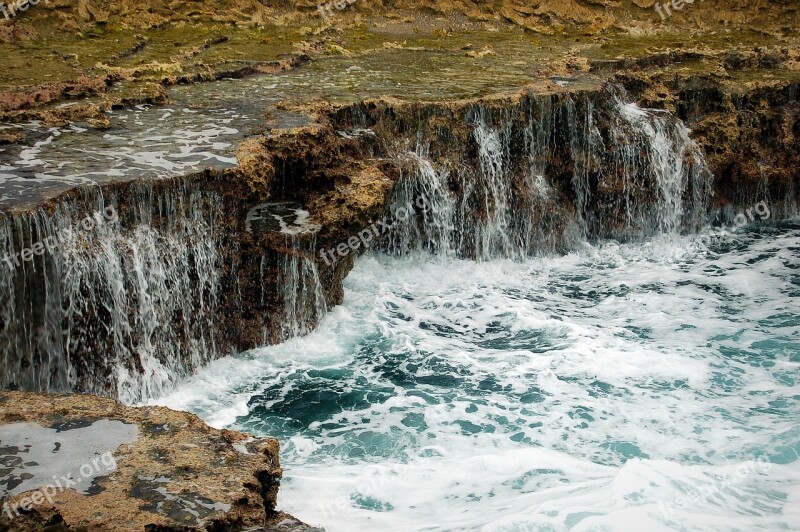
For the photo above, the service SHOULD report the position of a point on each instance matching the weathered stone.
(171, 473)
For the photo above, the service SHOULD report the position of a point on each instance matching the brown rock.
(173, 472)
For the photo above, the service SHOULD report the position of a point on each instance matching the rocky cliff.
(476, 129)
(203, 266)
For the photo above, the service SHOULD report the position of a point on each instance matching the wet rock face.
(84, 462)
(534, 172)
(136, 285)
(222, 261)
(193, 269)
(746, 119)
(752, 140)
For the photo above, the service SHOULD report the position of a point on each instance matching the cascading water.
(124, 306)
(639, 176)
(494, 231)
(298, 283)
(422, 189)
(303, 299)
(448, 393)
(671, 160)
(647, 382)
(134, 305)
(129, 309)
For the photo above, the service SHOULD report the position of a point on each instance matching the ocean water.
(641, 386)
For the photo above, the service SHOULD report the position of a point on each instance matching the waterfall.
(671, 160)
(507, 190)
(422, 190)
(586, 149)
(126, 307)
(493, 237)
(129, 307)
(290, 238)
(303, 300)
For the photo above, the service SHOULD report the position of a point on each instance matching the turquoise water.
(646, 386)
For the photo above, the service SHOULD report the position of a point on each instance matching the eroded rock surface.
(88, 463)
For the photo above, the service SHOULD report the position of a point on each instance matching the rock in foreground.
(85, 462)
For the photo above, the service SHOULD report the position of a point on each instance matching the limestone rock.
(152, 468)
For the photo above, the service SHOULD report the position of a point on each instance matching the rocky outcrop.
(615, 137)
(222, 261)
(88, 463)
(192, 268)
(146, 85)
(137, 48)
(201, 266)
(743, 107)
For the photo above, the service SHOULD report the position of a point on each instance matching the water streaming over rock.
(298, 282)
(547, 173)
(303, 298)
(129, 308)
(121, 305)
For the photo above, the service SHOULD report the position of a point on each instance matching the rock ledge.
(90, 463)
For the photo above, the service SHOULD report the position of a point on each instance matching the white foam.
(595, 391)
